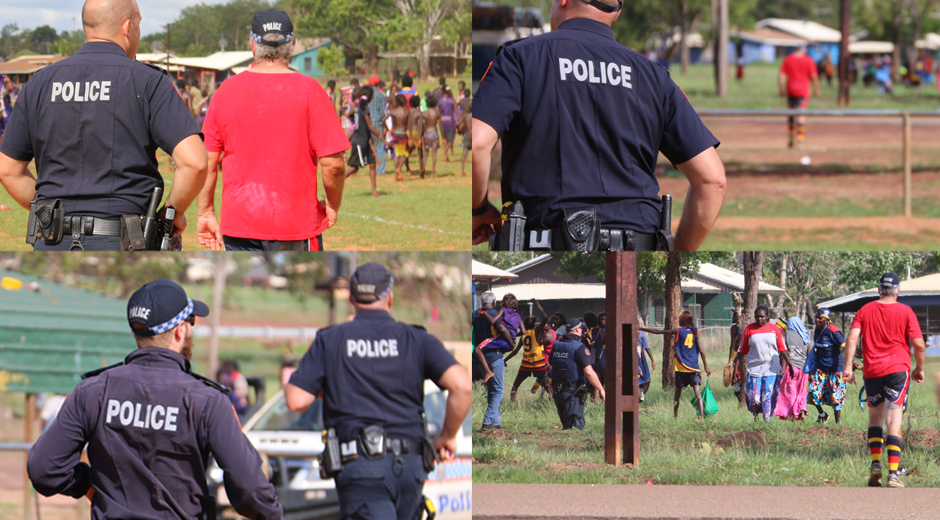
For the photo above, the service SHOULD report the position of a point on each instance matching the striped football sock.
(875, 442)
(799, 132)
(893, 445)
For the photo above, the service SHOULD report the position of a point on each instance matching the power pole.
(844, 56)
(215, 317)
(168, 51)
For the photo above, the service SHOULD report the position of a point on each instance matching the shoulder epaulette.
(97, 371)
(507, 44)
(209, 382)
(154, 67)
(420, 327)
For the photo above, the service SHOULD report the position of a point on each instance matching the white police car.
(290, 442)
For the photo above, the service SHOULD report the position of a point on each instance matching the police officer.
(93, 122)
(582, 121)
(371, 373)
(571, 373)
(150, 426)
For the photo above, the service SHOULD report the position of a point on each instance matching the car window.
(435, 407)
(468, 425)
(278, 417)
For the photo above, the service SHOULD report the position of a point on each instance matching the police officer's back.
(583, 119)
(573, 375)
(371, 373)
(150, 426)
(93, 122)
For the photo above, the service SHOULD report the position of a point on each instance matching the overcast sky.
(66, 15)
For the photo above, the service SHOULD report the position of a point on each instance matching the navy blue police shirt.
(582, 121)
(371, 372)
(150, 426)
(569, 357)
(93, 122)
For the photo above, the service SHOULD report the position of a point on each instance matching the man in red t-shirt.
(272, 126)
(795, 75)
(888, 328)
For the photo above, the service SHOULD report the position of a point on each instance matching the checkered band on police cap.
(175, 321)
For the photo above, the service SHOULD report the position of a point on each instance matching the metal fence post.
(907, 164)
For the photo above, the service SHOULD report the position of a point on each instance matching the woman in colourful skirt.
(827, 387)
(791, 402)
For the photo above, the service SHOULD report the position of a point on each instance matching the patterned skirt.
(827, 389)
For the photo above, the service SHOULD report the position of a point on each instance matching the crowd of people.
(779, 366)
(393, 120)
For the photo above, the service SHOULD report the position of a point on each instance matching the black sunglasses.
(191, 319)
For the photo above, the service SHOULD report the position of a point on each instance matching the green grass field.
(532, 448)
(415, 215)
(758, 90)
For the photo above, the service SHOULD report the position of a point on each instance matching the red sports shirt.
(272, 130)
(798, 70)
(886, 329)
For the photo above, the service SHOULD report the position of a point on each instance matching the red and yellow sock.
(893, 446)
(800, 129)
(875, 442)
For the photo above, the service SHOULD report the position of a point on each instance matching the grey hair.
(488, 299)
(282, 52)
(888, 291)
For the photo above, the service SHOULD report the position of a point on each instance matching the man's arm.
(920, 359)
(456, 381)
(207, 224)
(297, 399)
(245, 484)
(17, 179)
(191, 170)
(54, 461)
(706, 175)
(484, 140)
(595, 381)
(334, 176)
(658, 331)
(850, 343)
(782, 84)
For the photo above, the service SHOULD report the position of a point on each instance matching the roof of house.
(808, 30)
(216, 61)
(871, 47)
(29, 64)
(480, 270)
(731, 280)
(525, 265)
(768, 36)
(925, 286)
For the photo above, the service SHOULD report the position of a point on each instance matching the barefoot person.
(464, 126)
(415, 128)
(888, 328)
(685, 363)
(363, 150)
(399, 115)
(431, 139)
(533, 358)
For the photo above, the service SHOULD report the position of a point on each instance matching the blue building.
(305, 56)
(773, 38)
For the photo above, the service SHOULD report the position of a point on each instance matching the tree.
(330, 58)
(358, 25)
(673, 307)
(753, 267)
(427, 15)
(577, 265)
(43, 38)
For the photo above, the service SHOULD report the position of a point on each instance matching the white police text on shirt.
(157, 417)
(602, 73)
(366, 348)
(81, 92)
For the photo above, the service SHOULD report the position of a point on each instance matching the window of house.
(307, 64)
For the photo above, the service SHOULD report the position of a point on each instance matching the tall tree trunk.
(741, 323)
(896, 11)
(722, 55)
(845, 83)
(685, 25)
(783, 280)
(372, 60)
(716, 42)
(753, 266)
(673, 300)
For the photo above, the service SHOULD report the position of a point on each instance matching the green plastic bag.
(711, 405)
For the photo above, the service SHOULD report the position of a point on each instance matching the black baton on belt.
(150, 219)
(664, 235)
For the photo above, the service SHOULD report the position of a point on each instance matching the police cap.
(159, 306)
(370, 283)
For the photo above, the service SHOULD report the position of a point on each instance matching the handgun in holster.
(428, 455)
(511, 236)
(46, 221)
(664, 238)
(331, 460)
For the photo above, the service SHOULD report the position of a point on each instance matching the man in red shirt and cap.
(797, 71)
(272, 125)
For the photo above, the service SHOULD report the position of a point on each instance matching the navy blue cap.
(889, 280)
(370, 283)
(159, 306)
(272, 21)
(572, 324)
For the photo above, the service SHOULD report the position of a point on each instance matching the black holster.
(511, 236)
(373, 441)
(132, 234)
(428, 453)
(46, 221)
(331, 463)
(581, 229)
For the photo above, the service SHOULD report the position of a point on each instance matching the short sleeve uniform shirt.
(583, 119)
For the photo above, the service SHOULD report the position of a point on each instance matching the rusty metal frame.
(622, 407)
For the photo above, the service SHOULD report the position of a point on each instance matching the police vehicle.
(289, 442)
(494, 25)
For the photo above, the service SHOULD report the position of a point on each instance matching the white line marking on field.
(401, 224)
